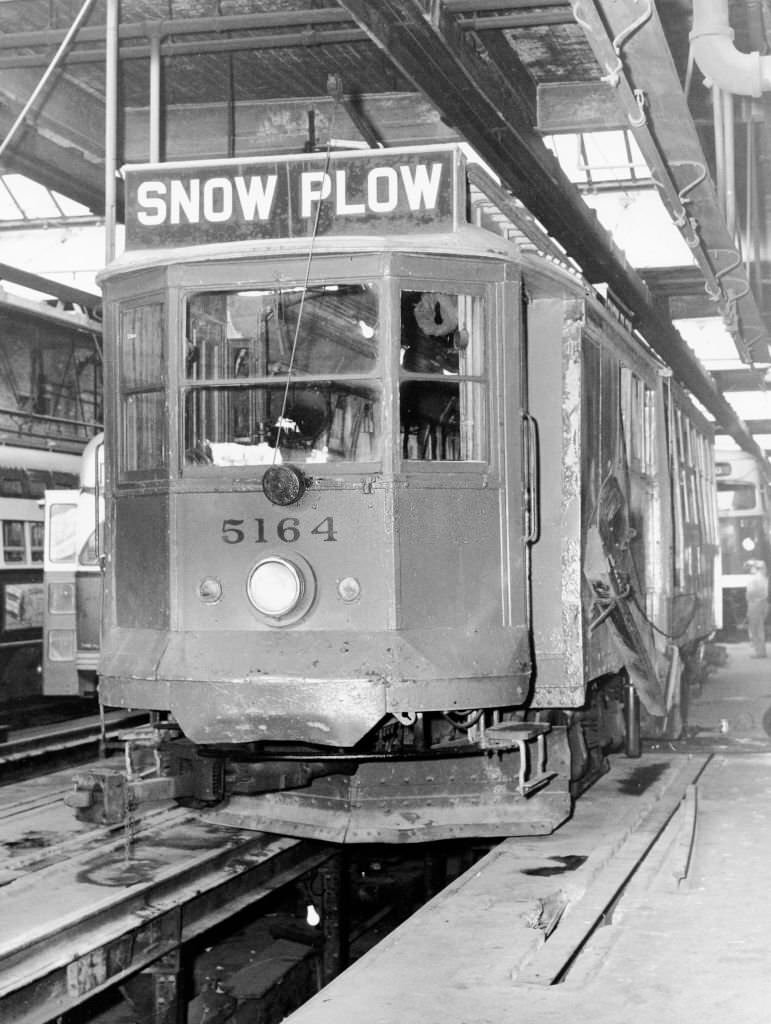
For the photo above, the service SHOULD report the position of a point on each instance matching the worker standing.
(757, 607)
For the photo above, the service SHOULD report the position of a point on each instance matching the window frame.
(375, 378)
(481, 290)
(158, 387)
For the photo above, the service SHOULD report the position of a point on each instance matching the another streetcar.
(406, 530)
(744, 512)
(73, 579)
(25, 474)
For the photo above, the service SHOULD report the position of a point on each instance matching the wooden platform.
(512, 925)
(83, 907)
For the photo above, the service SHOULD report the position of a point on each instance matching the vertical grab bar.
(98, 463)
(532, 481)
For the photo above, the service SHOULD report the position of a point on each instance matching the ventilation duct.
(712, 46)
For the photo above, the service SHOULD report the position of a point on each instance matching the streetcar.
(744, 512)
(25, 474)
(405, 528)
(72, 574)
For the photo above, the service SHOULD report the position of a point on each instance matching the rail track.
(25, 752)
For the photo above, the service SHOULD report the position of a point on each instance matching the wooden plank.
(463, 956)
(739, 380)
(115, 902)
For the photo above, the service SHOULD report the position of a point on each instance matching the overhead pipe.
(730, 73)
(730, 163)
(712, 43)
(155, 97)
(720, 155)
(111, 128)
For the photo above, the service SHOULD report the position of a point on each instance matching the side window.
(442, 392)
(14, 546)
(638, 411)
(62, 531)
(142, 374)
(36, 542)
(12, 483)
(38, 480)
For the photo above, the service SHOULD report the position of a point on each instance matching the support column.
(334, 884)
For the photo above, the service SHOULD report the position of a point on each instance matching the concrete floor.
(689, 941)
(734, 700)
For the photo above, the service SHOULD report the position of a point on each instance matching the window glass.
(89, 553)
(735, 497)
(14, 547)
(37, 482)
(12, 484)
(61, 481)
(62, 529)
(442, 393)
(141, 384)
(36, 542)
(283, 375)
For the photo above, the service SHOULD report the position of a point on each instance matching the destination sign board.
(385, 191)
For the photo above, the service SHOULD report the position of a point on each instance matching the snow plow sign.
(377, 192)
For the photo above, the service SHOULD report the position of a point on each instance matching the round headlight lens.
(275, 587)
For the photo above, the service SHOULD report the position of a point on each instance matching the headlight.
(275, 587)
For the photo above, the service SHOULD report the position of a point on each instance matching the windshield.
(736, 497)
(282, 375)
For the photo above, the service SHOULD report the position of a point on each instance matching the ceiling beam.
(578, 107)
(60, 144)
(65, 111)
(682, 292)
(182, 26)
(743, 379)
(55, 165)
(486, 109)
(475, 99)
(268, 127)
(759, 426)
(666, 281)
(512, 69)
(57, 289)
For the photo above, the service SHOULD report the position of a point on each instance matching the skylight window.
(22, 199)
(594, 158)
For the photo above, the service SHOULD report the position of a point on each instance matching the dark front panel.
(141, 569)
(88, 588)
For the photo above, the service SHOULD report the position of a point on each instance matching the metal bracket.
(518, 734)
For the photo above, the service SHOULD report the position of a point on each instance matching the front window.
(442, 388)
(283, 375)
